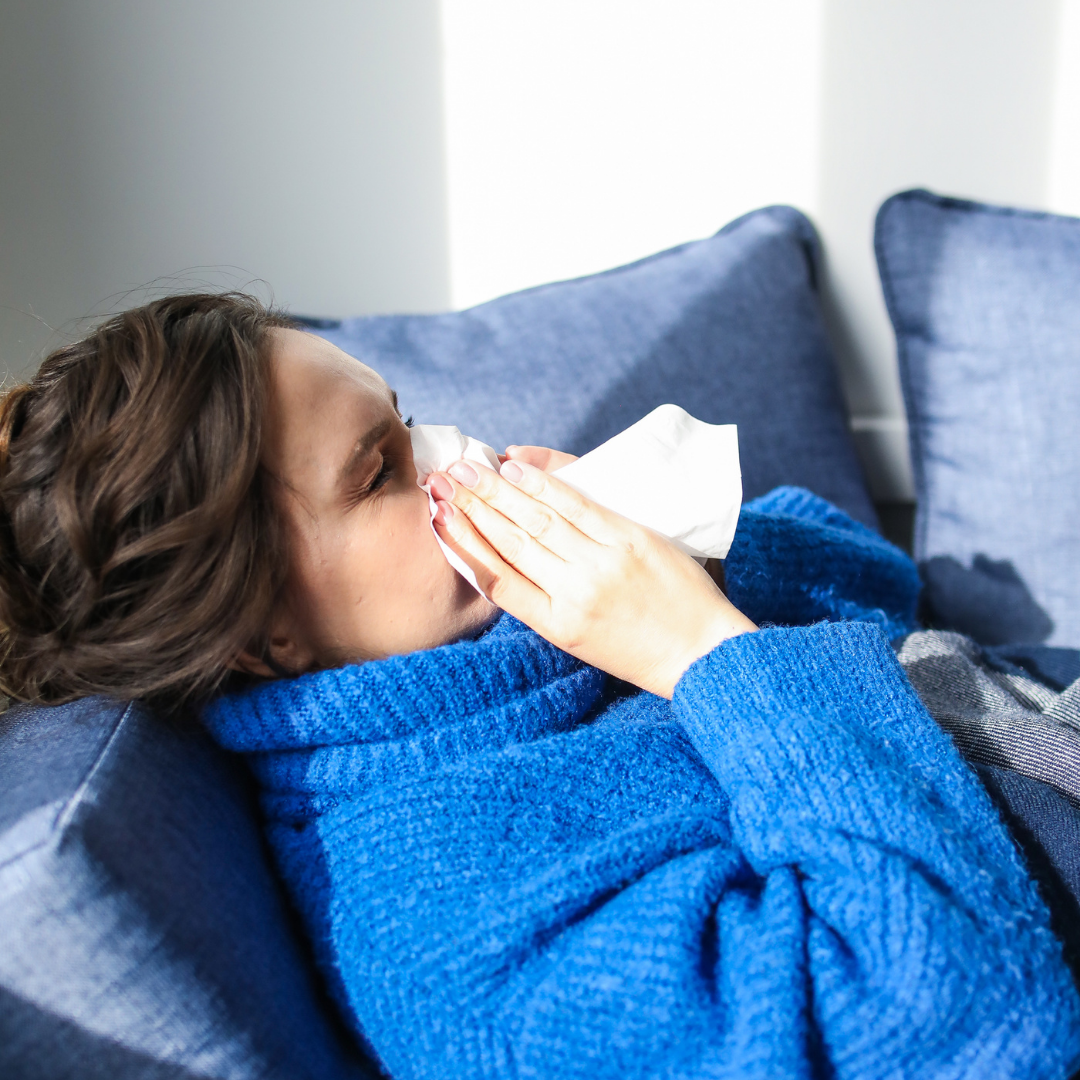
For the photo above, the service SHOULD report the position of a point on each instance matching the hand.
(602, 588)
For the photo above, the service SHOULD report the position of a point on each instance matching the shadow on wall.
(989, 602)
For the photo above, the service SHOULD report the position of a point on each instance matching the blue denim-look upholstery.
(142, 933)
(730, 328)
(986, 306)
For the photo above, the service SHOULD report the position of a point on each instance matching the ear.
(288, 653)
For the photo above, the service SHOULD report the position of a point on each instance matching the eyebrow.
(363, 447)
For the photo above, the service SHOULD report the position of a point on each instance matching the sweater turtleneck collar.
(507, 672)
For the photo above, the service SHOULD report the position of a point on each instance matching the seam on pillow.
(67, 813)
(67, 810)
(806, 228)
(974, 206)
(914, 423)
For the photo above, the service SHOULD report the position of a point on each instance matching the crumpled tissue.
(669, 472)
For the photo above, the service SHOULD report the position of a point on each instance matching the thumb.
(540, 457)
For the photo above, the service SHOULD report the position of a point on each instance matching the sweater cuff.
(766, 674)
(817, 727)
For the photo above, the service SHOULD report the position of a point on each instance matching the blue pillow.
(985, 302)
(141, 930)
(730, 328)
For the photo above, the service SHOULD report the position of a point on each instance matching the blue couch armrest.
(142, 932)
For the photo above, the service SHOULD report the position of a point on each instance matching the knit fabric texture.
(511, 866)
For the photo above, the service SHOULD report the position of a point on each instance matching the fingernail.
(443, 512)
(441, 488)
(511, 471)
(463, 472)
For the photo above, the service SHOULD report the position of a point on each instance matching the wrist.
(728, 622)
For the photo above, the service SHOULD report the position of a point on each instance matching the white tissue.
(676, 475)
(435, 447)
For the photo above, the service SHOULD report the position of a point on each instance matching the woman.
(738, 852)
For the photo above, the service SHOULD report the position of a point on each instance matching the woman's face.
(367, 578)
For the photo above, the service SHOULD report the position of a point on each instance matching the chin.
(470, 612)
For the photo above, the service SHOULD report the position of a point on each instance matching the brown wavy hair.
(139, 545)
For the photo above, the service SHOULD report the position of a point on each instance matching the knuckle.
(543, 523)
(574, 508)
(512, 548)
(634, 541)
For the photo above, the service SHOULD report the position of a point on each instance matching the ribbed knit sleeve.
(927, 944)
(797, 559)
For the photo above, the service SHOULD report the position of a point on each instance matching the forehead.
(305, 366)
(321, 402)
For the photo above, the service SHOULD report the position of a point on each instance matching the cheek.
(378, 582)
(400, 541)
(364, 557)
(422, 550)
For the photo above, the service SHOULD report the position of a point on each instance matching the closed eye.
(360, 492)
(392, 453)
(382, 476)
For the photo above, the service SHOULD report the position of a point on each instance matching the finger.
(509, 541)
(540, 456)
(589, 518)
(479, 485)
(499, 581)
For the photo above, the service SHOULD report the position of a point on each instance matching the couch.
(143, 932)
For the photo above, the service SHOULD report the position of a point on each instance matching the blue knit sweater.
(512, 867)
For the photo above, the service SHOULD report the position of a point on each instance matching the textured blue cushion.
(142, 933)
(730, 328)
(985, 302)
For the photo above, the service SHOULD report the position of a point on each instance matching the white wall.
(1063, 182)
(953, 95)
(299, 143)
(584, 133)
